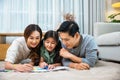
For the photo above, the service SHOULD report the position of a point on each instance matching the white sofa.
(107, 36)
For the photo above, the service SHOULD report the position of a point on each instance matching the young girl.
(50, 50)
(22, 47)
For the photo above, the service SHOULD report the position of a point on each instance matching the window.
(15, 15)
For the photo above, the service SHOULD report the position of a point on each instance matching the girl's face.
(33, 40)
(50, 44)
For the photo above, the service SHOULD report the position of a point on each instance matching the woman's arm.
(18, 67)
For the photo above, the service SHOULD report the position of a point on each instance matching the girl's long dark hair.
(55, 36)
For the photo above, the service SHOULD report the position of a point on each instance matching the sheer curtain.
(15, 15)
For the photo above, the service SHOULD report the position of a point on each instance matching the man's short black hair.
(69, 26)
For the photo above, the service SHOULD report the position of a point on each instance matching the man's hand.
(80, 66)
(64, 53)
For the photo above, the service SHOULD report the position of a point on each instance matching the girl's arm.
(56, 64)
(42, 64)
(41, 59)
(52, 66)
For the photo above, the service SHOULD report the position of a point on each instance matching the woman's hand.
(22, 67)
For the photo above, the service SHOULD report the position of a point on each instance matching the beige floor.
(102, 71)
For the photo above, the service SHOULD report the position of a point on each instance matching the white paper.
(38, 69)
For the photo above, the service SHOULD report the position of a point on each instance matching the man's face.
(67, 40)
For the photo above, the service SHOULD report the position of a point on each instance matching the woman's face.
(33, 40)
(50, 44)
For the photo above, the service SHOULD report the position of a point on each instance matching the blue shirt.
(87, 50)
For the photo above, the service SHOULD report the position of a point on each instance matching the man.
(79, 50)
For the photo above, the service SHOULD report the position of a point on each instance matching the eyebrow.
(34, 36)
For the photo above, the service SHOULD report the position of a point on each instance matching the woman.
(21, 48)
(50, 50)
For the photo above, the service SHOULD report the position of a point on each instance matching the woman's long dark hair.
(34, 54)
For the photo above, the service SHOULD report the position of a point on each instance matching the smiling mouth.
(49, 48)
(34, 45)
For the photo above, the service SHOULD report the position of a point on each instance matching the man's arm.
(91, 51)
(65, 54)
(73, 61)
(79, 66)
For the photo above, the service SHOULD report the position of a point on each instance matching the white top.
(18, 51)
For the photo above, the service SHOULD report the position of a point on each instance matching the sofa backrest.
(102, 28)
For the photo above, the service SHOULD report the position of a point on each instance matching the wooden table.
(11, 34)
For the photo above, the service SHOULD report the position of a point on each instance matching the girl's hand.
(43, 64)
(51, 66)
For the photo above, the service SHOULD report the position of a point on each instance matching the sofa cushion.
(109, 39)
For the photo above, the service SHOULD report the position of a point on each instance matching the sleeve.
(90, 52)
(66, 62)
(12, 52)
